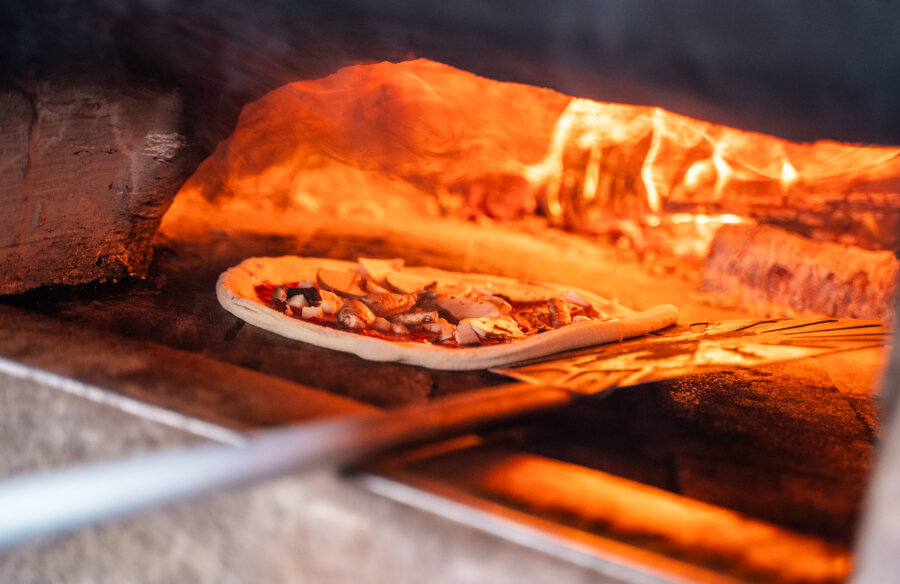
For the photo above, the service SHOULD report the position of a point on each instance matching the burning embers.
(399, 143)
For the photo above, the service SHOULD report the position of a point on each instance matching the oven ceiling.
(801, 72)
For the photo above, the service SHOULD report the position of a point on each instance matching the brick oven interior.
(114, 344)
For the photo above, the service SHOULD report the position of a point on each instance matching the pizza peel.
(62, 500)
(680, 351)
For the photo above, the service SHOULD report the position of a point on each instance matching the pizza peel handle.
(61, 501)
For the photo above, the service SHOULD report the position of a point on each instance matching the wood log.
(88, 169)
(772, 271)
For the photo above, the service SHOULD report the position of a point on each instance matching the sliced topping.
(297, 301)
(465, 333)
(311, 293)
(581, 318)
(459, 289)
(345, 284)
(376, 269)
(328, 307)
(427, 301)
(443, 329)
(381, 324)
(355, 315)
(529, 321)
(414, 318)
(559, 313)
(404, 283)
(502, 305)
(331, 302)
(279, 294)
(461, 308)
(504, 329)
(308, 312)
(399, 329)
(575, 298)
(526, 292)
(477, 330)
(387, 304)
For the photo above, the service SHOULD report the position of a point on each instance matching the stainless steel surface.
(299, 529)
(602, 554)
(698, 348)
(43, 504)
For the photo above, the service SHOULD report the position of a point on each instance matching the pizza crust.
(236, 292)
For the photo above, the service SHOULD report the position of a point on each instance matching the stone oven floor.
(787, 445)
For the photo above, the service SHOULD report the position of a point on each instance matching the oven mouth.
(691, 439)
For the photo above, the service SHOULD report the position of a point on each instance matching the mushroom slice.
(461, 308)
(443, 329)
(387, 304)
(377, 269)
(529, 321)
(577, 299)
(406, 283)
(346, 284)
(458, 289)
(503, 328)
(465, 333)
(502, 305)
(525, 292)
(355, 315)
(414, 318)
(559, 313)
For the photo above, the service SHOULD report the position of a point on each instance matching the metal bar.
(60, 501)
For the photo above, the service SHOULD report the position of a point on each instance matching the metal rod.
(60, 501)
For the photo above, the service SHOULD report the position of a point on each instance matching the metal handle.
(60, 501)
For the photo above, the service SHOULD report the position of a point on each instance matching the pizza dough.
(236, 290)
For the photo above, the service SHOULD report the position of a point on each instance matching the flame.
(384, 141)
(683, 161)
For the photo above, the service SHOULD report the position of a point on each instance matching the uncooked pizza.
(382, 310)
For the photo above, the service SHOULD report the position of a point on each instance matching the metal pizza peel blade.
(697, 348)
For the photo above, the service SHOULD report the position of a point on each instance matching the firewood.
(784, 274)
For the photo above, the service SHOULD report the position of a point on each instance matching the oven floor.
(176, 306)
(788, 445)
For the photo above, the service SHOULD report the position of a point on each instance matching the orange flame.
(677, 161)
(380, 141)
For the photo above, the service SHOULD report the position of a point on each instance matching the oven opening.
(738, 474)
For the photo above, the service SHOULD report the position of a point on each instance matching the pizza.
(382, 310)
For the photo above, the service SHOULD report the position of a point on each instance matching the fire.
(652, 167)
(384, 141)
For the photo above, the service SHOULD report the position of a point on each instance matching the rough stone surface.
(88, 170)
(315, 528)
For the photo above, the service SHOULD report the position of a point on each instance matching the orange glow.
(634, 162)
(677, 526)
(420, 139)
